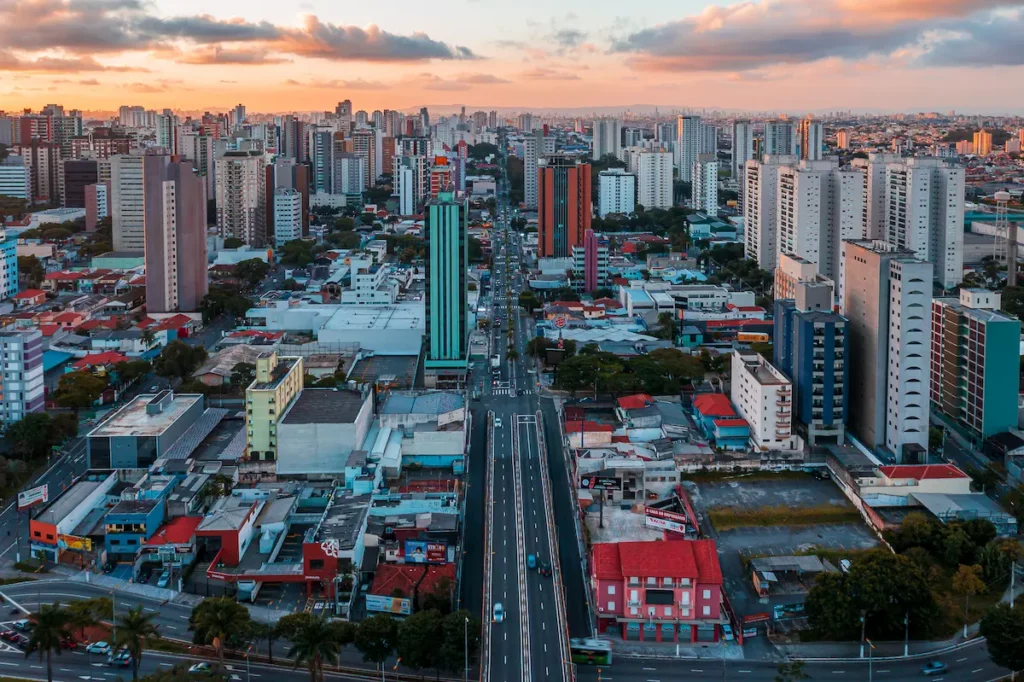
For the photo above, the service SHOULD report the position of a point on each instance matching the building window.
(611, 589)
(316, 564)
(611, 606)
(707, 594)
(706, 611)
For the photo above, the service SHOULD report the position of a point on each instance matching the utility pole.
(466, 628)
(863, 614)
(906, 634)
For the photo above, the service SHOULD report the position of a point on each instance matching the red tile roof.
(635, 402)
(572, 305)
(29, 293)
(608, 303)
(730, 422)
(695, 559)
(922, 472)
(97, 322)
(577, 426)
(392, 578)
(178, 531)
(49, 329)
(714, 405)
(109, 357)
(63, 275)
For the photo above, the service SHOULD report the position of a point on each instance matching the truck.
(495, 361)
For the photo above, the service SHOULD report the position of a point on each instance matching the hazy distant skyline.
(785, 55)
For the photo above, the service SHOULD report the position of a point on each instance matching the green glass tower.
(447, 307)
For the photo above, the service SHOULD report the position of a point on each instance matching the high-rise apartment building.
(704, 184)
(590, 264)
(321, 159)
(15, 181)
(238, 115)
(818, 205)
(689, 141)
(887, 301)
(43, 162)
(780, 139)
(535, 145)
(411, 181)
(277, 384)
(616, 192)
(811, 139)
(168, 129)
(349, 173)
(607, 137)
(8, 265)
(76, 175)
(665, 133)
(708, 139)
(972, 345)
(811, 348)
(287, 215)
(242, 197)
(742, 151)
(526, 123)
(563, 204)
(344, 113)
(21, 355)
(764, 397)
(128, 202)
(843, 139)
(654, 179)
(201, 151)
(759, 209)
(175, 236)
(97, 204)
(982, 143)
(874, 187)
(365, 146)
(447, 305)
(925, 213)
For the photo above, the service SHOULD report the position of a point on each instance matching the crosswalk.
(509, 391)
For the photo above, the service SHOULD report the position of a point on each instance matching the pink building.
(665, 591)
(97, 204)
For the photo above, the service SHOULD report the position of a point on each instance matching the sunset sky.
(764, 55)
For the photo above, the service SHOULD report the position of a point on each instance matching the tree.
(297, 253)
(179, 360)
(30, 272)
(65, 426)
(457, 633)
(32, 436)
(538, 346)
(50, 626)
(253, 271)
(233, 243)
(82, 615)
(476, 250)
(529, 301)
(1003, 628)
(132, 370)
(291, 285)
(79, 390)
(135, 632)
(967, 582)
(667, 328)
(243, 374)
(375, 638)
(512, 354)
(220, 622)
(791, 671)
(343, 240)
(313, 641)
(417, 639)
(220, 300)
(344, 224)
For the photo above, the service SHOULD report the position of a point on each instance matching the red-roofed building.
(411, 582)
(102, 362)
(175, 541)
(922, 472)
(719, 422)
(588, 434)
(635, 401)
(64, 280)
(96, 323)
(658, 591)
(29, 297)
(907, 479)
(608, 303)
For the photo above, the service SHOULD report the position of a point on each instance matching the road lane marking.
(960, 660)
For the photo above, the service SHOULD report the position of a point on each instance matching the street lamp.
(466, 627)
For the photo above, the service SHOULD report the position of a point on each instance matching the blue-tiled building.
(129, 524)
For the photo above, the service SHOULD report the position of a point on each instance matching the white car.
(497, 422)
(98, 648)
(499, 612)
(201, 668)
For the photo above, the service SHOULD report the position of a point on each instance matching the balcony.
(633, 603)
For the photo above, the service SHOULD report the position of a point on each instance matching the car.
(20, 640)
(499, 612)
(24, 625)
(68, 643)
(934, 668)
(165, 578)
(154, 388)
(727, 632)
(8, 635)
(121, 659)
(203, 667)
(98, 648)
(544, 569)
(497, 422)
(531, 561)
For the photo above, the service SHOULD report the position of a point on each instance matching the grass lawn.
(728, 518)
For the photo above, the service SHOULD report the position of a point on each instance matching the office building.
(764, 397)
(441, 177)
(144, 430)
(780, 139)
(535, 145)
(14, 178)
(321, 159)
(563, 205)
(982, 143)
(447, 305)
(742, 151)
(925, 213)
(811, 139)
(689, 141)
(349, 174)
(708, 139)
(590, 264)
(818, 205)
(759, 209)
(287, 216)
(77, 174)
(704, 185)
(242, 197)
(607, 138)
(277, 384)
(238, 115)
(23, 389)
(811, 348)
(168, 128)
(128, 202)
(175, 236)
(842, 139)
(654, 179)
(616, 192)
(887, 299)
(365, 145)
(97, 204)
(974, 348)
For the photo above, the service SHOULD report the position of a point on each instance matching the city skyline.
(875, 55)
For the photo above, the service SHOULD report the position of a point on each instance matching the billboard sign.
(560, 321)
(600, 483)
(74, 542)
(402, 607)
(664, 524)
(756, 618)
(420, 552)
(33, 496)
(665, 519)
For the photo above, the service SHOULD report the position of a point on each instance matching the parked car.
(24, 625)
(499, 612)
(8, 635)
(165, 578)
(934, 668)
(727, 632)
(121, 659)
(68, 643)
(98, 648)
(20, 640)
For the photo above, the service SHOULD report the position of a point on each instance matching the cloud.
(220, 55)
(10, 62)
(114, 26)
(546, 74)
(143, 88)
(569, 38)
(337, 84)
(89, 81)
(481, 79)
(752, 35)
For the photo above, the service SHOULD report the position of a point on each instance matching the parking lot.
(751, 492)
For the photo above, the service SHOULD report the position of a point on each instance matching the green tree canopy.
(1003, 628)
(376, 636)
(51, 625)
(297, 253)
(233, 243)
(252, 271)
(179, 360)
(32, 436)
(220, 622)
(79, 390)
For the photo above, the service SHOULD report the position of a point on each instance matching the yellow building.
(278, 382)
(982, 143)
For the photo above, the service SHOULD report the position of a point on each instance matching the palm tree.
(148, 337)
(215, 621)
(135, 631)
(81, 615)
(50, 626)
(314, 641)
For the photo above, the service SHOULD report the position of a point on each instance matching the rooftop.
(324, 406)
(277, 374)
(432, 402)
(660, 559)
(178, 531)
(68, 501)
(135, 420)
(714, 405)
(922, 472)
(228, 514)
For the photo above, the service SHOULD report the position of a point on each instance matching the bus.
(590, 651)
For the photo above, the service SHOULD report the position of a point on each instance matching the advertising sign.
(750, 632)
(666, 515)
(33, 496)
(420, 552)
(600, 483)
(560, 321)
(756, 618)
(395, 605)
(75, 542)
(665, 524)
